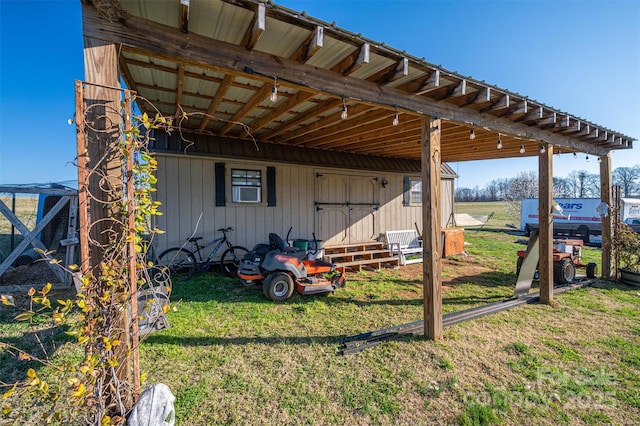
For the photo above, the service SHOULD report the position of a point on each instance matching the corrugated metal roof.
(152, 69)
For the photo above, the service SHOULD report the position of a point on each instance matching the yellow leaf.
(72, 381)
(6, 409)
(6, 301)
(31, 291)
(24, 357)
(143, 376)
(79, 392)
(31, 373)
(8, 393)
(24, 316)
(105, 421)
(46, 289)
(113, 362)
(165, 309)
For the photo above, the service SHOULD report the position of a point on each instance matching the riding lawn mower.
(281, 269)
(567, 256)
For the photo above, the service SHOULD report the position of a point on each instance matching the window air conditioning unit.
(246, 194)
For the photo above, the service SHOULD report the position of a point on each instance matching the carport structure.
(248, 70)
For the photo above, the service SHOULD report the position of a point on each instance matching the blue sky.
(580, 56)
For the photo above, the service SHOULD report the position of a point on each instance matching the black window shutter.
(220, 185)
(406, 196)
(271, 186)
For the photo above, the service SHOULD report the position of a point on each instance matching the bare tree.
(562, 188)
(627, 178)
(525, 185)
(583, 184)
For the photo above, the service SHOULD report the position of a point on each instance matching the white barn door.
(346, 208)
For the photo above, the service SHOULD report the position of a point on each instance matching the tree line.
(578, 184)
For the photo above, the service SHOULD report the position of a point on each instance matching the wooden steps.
(354, 257)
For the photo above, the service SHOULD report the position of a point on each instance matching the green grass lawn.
(232, 357)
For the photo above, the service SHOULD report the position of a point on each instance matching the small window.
(416, 191)
(246, 186)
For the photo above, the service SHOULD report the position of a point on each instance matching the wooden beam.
(432, 254)
(184, 16)
(433, 82)
(534, 114)
(521, 108)
(502, 103)
(281, 109)
(310, 46)
(316, 111)
(606, 195)
(255, 30)
(180, 87)
(377, 130)
(258, 98)
(484, 95)
(219, 96)
(551, 120)
(167, 42)
(545, 265)
(126, 73)
(334, 125)
(354, 61)
(460, 89)
(329, 125)
(102, 183)
(391, 73)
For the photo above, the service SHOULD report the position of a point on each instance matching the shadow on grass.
(160, 339)
(215, 288)
(41, 344)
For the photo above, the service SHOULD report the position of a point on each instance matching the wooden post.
(606, 196)
(545, 182)
(432, 253)
(102, 132)
(104, 181)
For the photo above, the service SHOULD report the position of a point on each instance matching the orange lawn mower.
(281, 269)
(567, 256)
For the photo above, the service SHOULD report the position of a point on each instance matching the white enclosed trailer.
(579, 218)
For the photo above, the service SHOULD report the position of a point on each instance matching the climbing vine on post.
(100, 386)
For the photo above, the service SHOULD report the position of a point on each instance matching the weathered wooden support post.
(607, 197)
(545, 191)
(432, 254)
(101, 187)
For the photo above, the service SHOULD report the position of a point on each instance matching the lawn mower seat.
(278, 244)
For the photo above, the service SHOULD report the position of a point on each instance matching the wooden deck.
(355, 257)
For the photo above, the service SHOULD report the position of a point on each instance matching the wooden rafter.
(339, 129)
(318, 110)
(310, 46)
(258, 98)
(184, 16)
(217, 99)
(330, 125)
(281, 109)
(180, 86)
(255, 30)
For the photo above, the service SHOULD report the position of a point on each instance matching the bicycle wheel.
(180, 263)
(230, 260)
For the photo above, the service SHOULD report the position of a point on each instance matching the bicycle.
(182, 263)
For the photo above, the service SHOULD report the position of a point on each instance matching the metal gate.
(346, 208)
